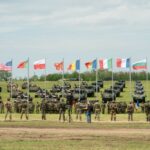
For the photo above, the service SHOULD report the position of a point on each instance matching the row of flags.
(75, 66)
(104, 64)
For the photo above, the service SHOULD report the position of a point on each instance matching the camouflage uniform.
(130, 110)
(37, 107)
(78, 111)
(108, 107)
(113, 110)
(1, 106)
(8, 106)
(97, 110)
(103, 106)
(142, 107)
(147, 111)
(24, 109)
(43, 109)
(62, 109)
(69, 104)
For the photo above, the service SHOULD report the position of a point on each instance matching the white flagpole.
(11, 79)
(147, 79)
(28, 82)
(130, 78)
(63, 79)
(112, 76)
(96, 80)
(45, 78)
(79, 84)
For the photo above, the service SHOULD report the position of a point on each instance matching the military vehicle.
(90, 91)
(139, 97)
(116, 90)
(108, 95)
(94, 86)
(100, 83)
(34, 88)
(83, 94)
(120, 85)
(25, 85)
(56, 89)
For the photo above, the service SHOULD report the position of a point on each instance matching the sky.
(72, 29)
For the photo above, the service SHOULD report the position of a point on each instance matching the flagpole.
(112, 76)
(130, 78)
(147, 79)
(11, 79)
(79, 83)
(96, 81)
(63, 79)
(28, 82)
(45, 78)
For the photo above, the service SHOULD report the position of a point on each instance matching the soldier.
(103, 106)
(78, 111)
(1, 105)
(142, 107)
(147, 111)
(97, 110)
(24, 109)
(43, 109)
(130, 110)
(37, 107)
(113, 110)
(62, 109)
(69, 104)
(8, 106)
(108, 107)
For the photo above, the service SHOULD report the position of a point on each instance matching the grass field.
(36, 134)
(125, 96)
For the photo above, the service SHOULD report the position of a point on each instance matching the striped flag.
(105, 63)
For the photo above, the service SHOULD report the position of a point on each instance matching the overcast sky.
(72, 29)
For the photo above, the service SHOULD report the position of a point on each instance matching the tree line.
(85, 76)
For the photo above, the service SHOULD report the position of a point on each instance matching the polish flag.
(39, 64)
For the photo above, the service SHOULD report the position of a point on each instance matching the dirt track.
(73, 133)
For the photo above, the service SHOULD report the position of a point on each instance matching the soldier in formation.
(113, 110)
(37, 108)
(89, 112)
(69, 103)
(8, 106)
(130, 111)
(43, 109)
(147, 111)
(103, 106)
(78, 111)
(24, 109)
(97, 111)
(62, 109)
(1, 105)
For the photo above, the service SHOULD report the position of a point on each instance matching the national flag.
(39, 64)
(91, 64)
(142, 64)
(23, 64)
(2, 67)
(74, 66)
(105, 63)
(59, 66)
(88, 65)
(123, 63)
(8, 66)
(94, 64)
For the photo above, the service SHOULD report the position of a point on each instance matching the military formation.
(65, 101)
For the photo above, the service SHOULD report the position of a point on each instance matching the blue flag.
(94, 64)
(78, 65)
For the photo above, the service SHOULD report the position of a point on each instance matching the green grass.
(125, 96)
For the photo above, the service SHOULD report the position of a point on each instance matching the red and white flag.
(39, 64)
